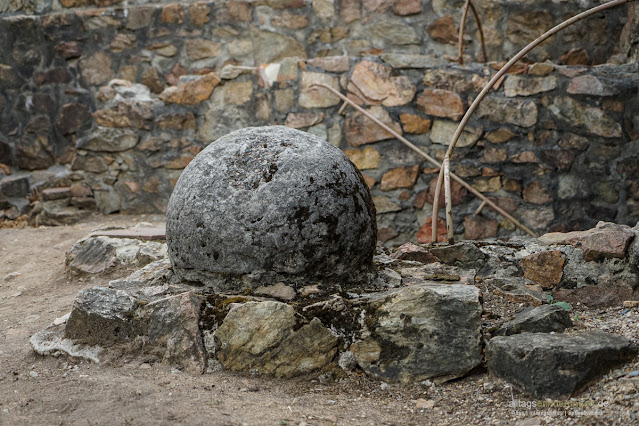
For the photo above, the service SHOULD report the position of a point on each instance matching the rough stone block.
(420, 332)
(556, 365)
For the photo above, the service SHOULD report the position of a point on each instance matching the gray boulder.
(147, 312)
(101, 315)
(270, 338)
(542, 319)
(420, 332)
(264, 205)
(556, 365)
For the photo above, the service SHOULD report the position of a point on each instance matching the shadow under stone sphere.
(271, 204)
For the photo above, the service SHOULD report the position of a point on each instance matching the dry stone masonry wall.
(113, 102)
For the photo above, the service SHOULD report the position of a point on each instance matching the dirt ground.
(59, 391)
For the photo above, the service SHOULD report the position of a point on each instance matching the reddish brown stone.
(192, 92)
(50, 194)
(441, 103)
(290, 20)
(370, 181)
(477, 228)
(199, 13)
(152, 80)
(406, 7)
(81, 190)
(401, 177)
(360, 130)
(179, 121)
(127, 113)
(512, 185)
(500, 136)
(524, 157)
(284, 4)
(457, 192)
(410, 251)
(490, 172)
(492, 184)
(575, 56)
(508, 204)
(413, 123)
(424, 234)
(606, 240)
(493, 155)
(172, 14)
(349, 10)
(376, 5)
(385, 234)
(122, 41)
(72, 118)
(404, 195)
(562, 159)
(609, 291)
(367, 158)
(69, 49)
(374, 84)
(240, 10)
(298, 120)
(545, 268)
(444, 30)
(312, 96)
(537, 193)
(173, 78)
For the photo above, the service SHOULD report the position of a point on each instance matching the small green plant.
(565, 305)
(576, 317)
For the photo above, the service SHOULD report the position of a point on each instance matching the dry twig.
(462, 28)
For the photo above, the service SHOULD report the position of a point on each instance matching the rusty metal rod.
(493, 80)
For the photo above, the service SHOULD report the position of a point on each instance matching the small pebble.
(384, 386)
(634, 373)
(33, 374)
(11, 276)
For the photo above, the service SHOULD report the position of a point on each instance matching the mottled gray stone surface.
(420, 332)
(556, 365)
(270, 204)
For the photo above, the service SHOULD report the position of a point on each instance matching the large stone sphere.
(264, 205)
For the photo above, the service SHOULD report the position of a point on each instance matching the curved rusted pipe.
(494, 80)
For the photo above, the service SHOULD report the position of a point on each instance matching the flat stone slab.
(157, 233)
(556, 366)
(541, 319)
(99, 254)
(605, 241)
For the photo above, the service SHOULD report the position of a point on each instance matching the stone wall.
(115, 103)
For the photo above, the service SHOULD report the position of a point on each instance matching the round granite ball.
(264, 205)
